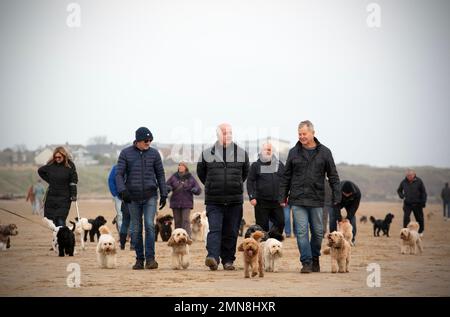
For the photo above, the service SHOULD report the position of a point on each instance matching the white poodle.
(81, 225)
(411, 240)
(180, 241)
(106, 249)
(272, 252)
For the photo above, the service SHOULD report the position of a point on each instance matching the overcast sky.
(377, 96)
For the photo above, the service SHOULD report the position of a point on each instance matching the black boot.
(306, 268)
(123, 240)
(139, 265)
(315, 264)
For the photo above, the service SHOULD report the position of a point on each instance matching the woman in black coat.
(61, 175)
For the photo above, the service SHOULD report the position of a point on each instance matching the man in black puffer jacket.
(263, 187)
(307, 165)
(139, 174)
(223, 169)
(414, 195)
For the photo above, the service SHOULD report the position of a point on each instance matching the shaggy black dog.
(241, 227)
(66, 241)
(163, 226)
(363, 219)
(96, 223)
(384, 225)
(267, 235)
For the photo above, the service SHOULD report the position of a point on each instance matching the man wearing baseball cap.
(139, 175)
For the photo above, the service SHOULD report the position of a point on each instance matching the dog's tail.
(257, 235)
(372, 219)
(104, 230)
(73, 225)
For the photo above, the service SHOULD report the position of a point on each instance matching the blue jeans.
(306, 218)
(146, 209)
(333, 221)
(224, 222)
(287, 220)
(446, 210)
(125, 227)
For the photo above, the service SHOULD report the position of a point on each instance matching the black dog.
(163, 226)
(96, 224)
(241, 227)
(363, 219)
(384, 225)
(271, 234)
(66, 241)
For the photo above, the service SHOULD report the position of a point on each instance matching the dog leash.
(20, 216)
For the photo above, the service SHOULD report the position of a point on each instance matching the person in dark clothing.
(414, 195)
(139, 175)
(223, 168)
(183, 186)
(350, 199)
(308, 163)
(263, 187)
(445, 195)
(61, 175)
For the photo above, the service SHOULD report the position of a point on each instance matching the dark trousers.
(182, 217)
(418, 214)
(224, 222)
(273, 212)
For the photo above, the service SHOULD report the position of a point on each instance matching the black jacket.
(223, 179)
(350, 203)
(263, 181)
(303, 178)
(445, 194)
(413, 193)
(62, 183)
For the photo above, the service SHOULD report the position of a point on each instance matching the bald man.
(414, 195)
(223, 168)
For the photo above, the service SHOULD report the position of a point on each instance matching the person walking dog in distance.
(139, 174)
(62, 178)
(223, 168)
(307, 165)
(414, 195)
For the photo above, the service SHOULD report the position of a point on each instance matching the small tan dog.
(253, 255)
(106, 249)
(272, 252)
(199, 226)
(411, 240)
(180, 242)
(347, 230)
(339, 249)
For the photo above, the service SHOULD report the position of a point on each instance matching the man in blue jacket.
(139, 175)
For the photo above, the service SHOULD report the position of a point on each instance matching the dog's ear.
(189, 240)
(241, 247)
(171, 241)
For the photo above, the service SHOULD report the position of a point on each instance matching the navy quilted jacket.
(141, 173)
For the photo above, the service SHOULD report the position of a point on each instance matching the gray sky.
(377, 96)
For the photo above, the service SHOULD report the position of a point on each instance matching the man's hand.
(162, 202)
(73, 198)
(253, 202)
(125, 196)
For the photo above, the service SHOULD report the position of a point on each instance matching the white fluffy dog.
(272, 252)
(180, 241)
(106, 249)
(81, 225)
(199, 226)
(411, 240)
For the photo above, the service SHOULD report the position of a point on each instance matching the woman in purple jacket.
(183, 186)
